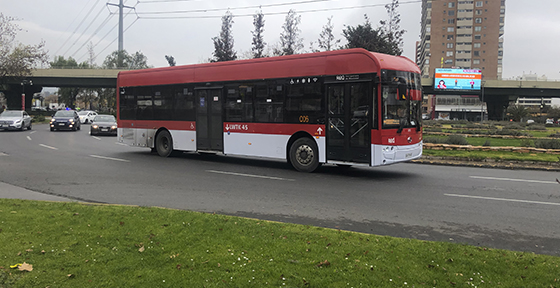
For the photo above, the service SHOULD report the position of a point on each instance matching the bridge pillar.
(497, 106)
(13, 95)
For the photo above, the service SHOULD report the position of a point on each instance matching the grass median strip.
(86, 245)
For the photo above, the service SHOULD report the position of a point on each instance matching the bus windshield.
(402, 101)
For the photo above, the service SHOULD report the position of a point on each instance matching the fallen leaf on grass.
(324, 263)
(25, 267)
(141, 249)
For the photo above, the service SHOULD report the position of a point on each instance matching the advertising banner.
(457, 79)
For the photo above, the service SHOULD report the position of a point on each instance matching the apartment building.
(462, 34)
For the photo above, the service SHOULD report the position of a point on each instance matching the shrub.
(435, 140)
(513, 126)
(487, 143)
(430, 129)
(510, 132)
(536, 126)
(457, 140)
(547, 144)
(38, 118)
(555, 135)
(526, 143)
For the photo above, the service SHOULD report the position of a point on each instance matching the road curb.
(489, 163)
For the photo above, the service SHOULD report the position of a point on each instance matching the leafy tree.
(69, 95)
(17, 59)
(326, 39)
(391, 29)
(258, 39)
(553, 112)
(517, 112)
(223, 44)
(171, 60)
(364, 36)
(132, 62)
(290, 42)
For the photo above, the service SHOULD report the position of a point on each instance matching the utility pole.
(121, 31)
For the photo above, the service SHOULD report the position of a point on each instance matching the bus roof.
(338, 62)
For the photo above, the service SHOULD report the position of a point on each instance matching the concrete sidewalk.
(8, 191)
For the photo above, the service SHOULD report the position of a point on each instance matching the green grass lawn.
(497, 155)
(81, 245)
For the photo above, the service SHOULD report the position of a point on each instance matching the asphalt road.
(507, 209)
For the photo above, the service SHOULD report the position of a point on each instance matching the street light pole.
(482, 102)
(23, 83)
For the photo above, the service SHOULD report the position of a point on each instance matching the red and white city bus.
(345, 107)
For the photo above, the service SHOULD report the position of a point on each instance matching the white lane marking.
(514, 180)
(250, 175)
(95, 137)
(46, 146)
(28, 138)
(3, 154)
(109, 158)
(32, 132)
(503, 199)
(118, 143)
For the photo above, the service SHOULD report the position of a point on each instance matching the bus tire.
(164, 144)
(304, 155)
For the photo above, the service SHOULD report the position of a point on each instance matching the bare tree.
(326, 39)
(17, 59)
(391, 29)
(171, 60)
(258, 39)
(290, 42)
(223, 44)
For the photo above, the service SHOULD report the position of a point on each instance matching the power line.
(77, 27)
(236, 8)
(277, 13)
(76, 41)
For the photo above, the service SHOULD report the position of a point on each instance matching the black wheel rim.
(304, 155)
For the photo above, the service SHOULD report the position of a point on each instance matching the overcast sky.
(531, 40)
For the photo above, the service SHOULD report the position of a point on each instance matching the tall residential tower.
(462, 34)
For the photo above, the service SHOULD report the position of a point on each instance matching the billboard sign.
(457, 79)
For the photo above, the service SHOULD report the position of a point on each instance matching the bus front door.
(349, 122)
(209, 123)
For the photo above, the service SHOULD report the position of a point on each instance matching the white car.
(87, 116)
(15, 120)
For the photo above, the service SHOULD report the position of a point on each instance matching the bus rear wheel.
(164, 144)
(304, 155)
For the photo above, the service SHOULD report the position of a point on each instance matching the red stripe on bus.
(274, 128)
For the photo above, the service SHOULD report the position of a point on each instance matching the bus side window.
(239, 103)
(269, 100)
(183, 108)
(304, 103)
(127, 105)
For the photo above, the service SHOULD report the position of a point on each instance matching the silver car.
(15, 120)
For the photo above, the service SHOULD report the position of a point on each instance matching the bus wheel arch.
(163, 143)
(302, 152)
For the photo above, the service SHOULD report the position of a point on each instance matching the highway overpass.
(497, 93)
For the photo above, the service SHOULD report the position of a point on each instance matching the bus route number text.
(304, 119)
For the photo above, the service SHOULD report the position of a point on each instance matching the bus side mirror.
(402, 92)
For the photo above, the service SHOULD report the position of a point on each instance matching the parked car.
(103, 124)
(87, 116)
(15, 120)
(65, 119)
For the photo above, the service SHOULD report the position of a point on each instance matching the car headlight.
(71, 120)
(52, 120)
(94, 126)
(114, 127)
(17, 121)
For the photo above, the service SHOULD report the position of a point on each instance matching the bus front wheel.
(304, 155)
(164, 144)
